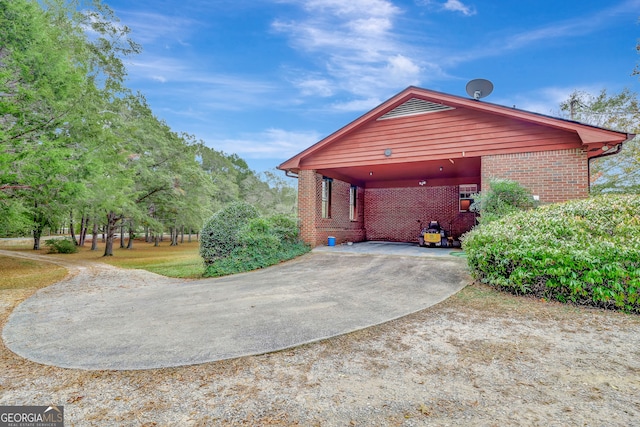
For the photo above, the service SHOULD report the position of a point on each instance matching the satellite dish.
(479, 88)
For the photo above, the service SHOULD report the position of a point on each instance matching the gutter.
(617, 149)
(290, 174)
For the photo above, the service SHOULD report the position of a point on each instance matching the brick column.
(308, 205)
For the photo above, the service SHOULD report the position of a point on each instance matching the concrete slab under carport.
(390, 248)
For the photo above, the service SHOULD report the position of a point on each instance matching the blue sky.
(265, 79)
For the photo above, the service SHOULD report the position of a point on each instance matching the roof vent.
(413, 107)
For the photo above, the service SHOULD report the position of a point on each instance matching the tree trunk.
(182, 234)
(147, 239)
(37, 233)
(112, 223)
(94, 239)
(37, 230)
(84, 222)
(156, 240)
(122, 235)
(131, 235)
(72, 229)
(173, 233)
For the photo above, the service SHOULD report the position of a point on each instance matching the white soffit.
(413, 107)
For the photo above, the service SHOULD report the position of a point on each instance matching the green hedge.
(248, 244)
(586, 252)
(219, 235)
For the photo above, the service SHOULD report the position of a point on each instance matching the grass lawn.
(173, 261)
(22, 273)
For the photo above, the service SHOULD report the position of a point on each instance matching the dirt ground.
(480, 358)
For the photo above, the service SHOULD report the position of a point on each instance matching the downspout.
(290, 174)
(618, 148)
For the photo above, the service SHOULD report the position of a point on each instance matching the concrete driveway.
(102, 317)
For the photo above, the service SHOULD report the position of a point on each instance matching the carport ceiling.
(429, 170)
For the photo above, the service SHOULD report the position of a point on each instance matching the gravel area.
(479, 358)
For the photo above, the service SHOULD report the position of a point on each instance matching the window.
(353, 201)
(466, 191)
(326, 197)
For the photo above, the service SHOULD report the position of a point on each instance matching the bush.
(502, 198)
(220, 234)
(586, 252)
(256, 243)
(61, 246)
(285, 227)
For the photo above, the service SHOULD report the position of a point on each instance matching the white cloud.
(268, 144)
(371, 26)
(356, 48)
(350, 8)
(219, 90)
(149, 27)
(356, 105)
(315, 86)
(401, 68)
(449, 5)
(458, 6)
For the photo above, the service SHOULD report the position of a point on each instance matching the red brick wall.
(393, 213)
(314, 229)
(308, 204)
(555, 176)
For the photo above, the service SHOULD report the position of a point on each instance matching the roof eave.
(588, 134)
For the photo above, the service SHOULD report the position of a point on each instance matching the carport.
(422, 154)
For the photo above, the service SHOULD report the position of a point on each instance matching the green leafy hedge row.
(238, 239)
(586, 252)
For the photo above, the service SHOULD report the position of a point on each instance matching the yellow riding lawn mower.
(433, 236)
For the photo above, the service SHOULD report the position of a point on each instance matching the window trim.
(353, 203)
(465, 191)
(325, 197)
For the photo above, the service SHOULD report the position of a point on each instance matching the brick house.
(420, 155)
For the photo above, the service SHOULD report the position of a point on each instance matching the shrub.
(61, 246)
(220, 234)
(585, 252)
(285, 227)
(502, 198)
(257, 243)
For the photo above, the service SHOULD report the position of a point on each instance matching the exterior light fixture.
(387, 152)
(440, 168)
(605, 147)
(421, 183)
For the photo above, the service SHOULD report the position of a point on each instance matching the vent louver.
(414, 106)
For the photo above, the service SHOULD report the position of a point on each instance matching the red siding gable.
(440, 135)
(473, 127)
